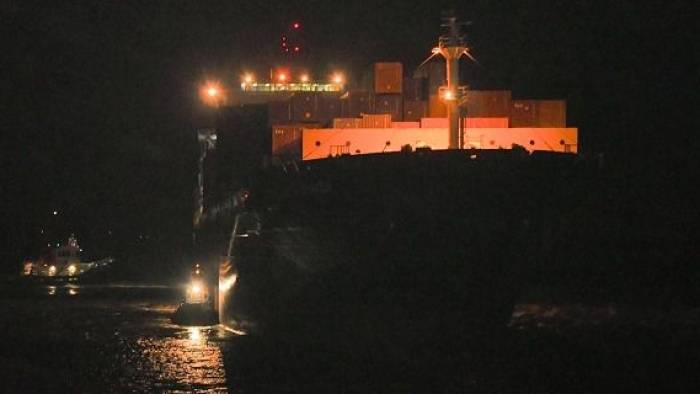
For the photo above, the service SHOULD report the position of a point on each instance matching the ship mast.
(452, 46)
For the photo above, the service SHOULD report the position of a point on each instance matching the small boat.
(62, 263)
(198, 307)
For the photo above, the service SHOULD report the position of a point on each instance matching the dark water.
(105, 339)
(120, 339)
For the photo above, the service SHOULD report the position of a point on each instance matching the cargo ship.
(375, 231)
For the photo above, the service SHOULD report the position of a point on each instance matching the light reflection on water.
(69, 289)
(185, 361)
(195, 334)
(108, 339)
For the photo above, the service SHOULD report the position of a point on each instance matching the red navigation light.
(296, 25)
(296, 49)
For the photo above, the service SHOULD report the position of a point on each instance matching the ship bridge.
(267, 87)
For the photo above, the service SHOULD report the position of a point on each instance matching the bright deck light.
(211, 93)
(449, 95)
(304, 78)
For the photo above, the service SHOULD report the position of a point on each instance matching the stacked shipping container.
(388, 88)
(305, 107)
(413, 111)
(329, 108)
(375, 121)
(488, 103)
(353, 104)
(346, 123)
(394, 98)
(389, 104)
(436, 107)
(480, 123)
(388, 78)
(279, 112)
(538, 113)
(286, 140)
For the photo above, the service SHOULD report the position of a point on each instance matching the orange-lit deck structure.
(322, 143)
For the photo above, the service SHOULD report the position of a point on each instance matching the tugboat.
(198, 307)
(62, 263)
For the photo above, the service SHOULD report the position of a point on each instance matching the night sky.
(99, 99)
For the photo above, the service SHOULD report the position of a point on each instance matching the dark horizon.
(101, 104)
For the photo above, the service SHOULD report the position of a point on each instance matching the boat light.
(196, 288)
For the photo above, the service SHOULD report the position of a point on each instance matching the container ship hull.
(382, 248)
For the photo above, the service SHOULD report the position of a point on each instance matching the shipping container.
(305, 107)
(431, 76)
(488, 103)
(436, 107)
(538, 113)
(388, 78)
(279, 112)
(412, 89)
(286, 141)
(480, 123)
(346, 123)
(405, 125)
(355, 103)
(389, 104)
(413, 111)
(523, 113)
(329, 108)
(375, 121)
(551, 113)
(434, 123)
